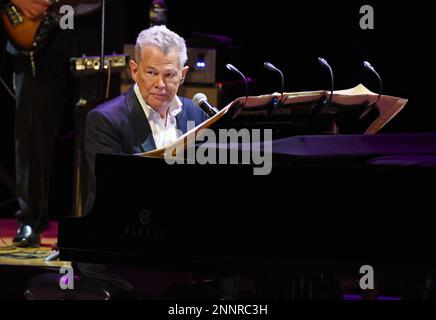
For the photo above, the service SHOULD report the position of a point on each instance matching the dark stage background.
(290, 34)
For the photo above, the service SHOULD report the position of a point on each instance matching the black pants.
(43, 93)
(42, 96)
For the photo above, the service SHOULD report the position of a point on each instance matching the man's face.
(158, 76)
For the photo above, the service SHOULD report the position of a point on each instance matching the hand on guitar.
(32, 9)
(28, 22)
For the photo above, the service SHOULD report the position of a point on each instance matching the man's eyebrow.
(150, 67)
(170, 69)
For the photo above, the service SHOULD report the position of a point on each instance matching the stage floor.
(10, 255)
(18, 265)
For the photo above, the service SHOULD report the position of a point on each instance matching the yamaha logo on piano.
(143, 230)
(148, 233)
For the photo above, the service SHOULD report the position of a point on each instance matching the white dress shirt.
(164, 130)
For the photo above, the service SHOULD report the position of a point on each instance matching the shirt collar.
(175, 106)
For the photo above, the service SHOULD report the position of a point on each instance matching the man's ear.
(134, 70)
(184, 71)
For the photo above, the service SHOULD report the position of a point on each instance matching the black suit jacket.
(120, 126)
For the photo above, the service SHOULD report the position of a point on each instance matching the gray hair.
(164, 39)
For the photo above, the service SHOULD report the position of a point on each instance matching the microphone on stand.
(324, 62)
(234, 69)
(273, 68)
(368, 66)
(200, 100)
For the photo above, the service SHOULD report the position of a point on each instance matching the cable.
(24, 255)
(12, 247)
(39, 139)
(108, 79)
(2, 60)
(7, 88)
(103, 26)
(6, 246)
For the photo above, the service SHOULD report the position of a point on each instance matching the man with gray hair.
(149, 115)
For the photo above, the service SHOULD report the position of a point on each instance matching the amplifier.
(219, 94)
(202, 66)
(91, 64)
(207, 65)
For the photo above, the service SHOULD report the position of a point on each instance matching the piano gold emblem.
(145, 217)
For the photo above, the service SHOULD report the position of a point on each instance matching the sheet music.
(388, 107)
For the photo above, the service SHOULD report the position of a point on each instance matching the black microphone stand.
(103, 27)
(55, 253)
(324, 102)
(269, 66)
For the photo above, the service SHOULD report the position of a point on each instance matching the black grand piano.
(330, 202)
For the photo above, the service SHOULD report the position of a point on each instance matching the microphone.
(234, 69)
(368, 108)
(380, 82)
(200, 100)
(332, 79)
(273, 68)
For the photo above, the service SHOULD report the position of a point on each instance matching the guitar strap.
(32, 63)
(2, 61)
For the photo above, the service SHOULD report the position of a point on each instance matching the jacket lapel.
(140, 126)
(182, 119)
